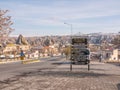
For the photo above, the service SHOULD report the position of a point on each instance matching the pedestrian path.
(102, 76)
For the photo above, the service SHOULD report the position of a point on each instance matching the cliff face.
(21, 40)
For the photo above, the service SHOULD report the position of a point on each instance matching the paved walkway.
(102, 76)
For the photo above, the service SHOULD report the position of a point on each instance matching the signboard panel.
(79, 51)
(79, 41)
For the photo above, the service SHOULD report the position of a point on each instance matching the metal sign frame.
(79, 51)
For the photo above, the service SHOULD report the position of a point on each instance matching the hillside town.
(107, 45)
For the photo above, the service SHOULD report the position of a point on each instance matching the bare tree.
(5, 23)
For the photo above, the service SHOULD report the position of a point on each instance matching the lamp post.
(70, 27)
(71, 41)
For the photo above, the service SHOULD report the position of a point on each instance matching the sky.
(48, 17)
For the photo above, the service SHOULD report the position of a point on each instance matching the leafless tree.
(5, 23)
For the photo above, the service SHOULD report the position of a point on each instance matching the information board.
(79, 50)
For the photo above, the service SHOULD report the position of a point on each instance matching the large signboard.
(79, 51)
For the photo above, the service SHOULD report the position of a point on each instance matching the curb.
(112, 61)
(29, 61)
(5, 62)
(24, 61)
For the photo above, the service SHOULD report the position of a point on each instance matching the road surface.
(54, 74)
(11, 69)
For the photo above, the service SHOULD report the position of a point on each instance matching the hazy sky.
(47, 17)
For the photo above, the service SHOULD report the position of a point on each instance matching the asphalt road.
(54, 74)
(12, 69)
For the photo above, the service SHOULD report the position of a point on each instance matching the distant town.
(107, 45)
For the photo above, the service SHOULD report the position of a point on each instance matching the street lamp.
(70, 27)
(71, 41)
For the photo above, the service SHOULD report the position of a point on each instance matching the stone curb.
(29, 61)
(5, 62)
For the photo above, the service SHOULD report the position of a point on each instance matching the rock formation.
(21, 40)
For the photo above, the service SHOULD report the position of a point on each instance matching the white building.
(115, 55)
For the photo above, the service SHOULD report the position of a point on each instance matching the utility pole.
(71, 42)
